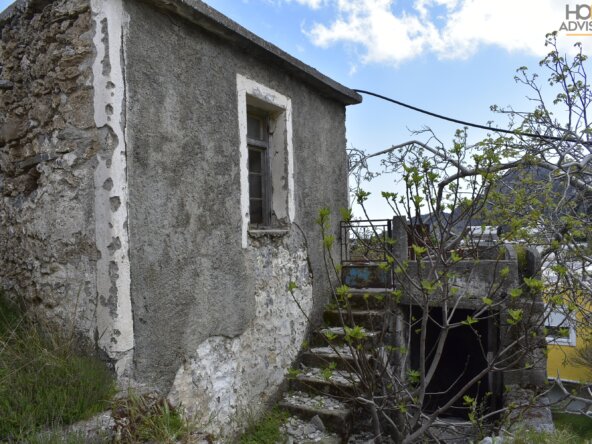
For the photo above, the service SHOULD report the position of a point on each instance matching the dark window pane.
(253, 127)
(557, 332)
(255, 161)
(256, 211)
(255, 186)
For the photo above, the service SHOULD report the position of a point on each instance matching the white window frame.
(559, 319)
(279, 108)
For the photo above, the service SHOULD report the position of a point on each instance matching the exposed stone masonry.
(48, 149)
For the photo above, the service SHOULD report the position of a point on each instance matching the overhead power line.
(474, 125)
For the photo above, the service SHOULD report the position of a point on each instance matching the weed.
(581, 425)
(43, 383)
(267, 430)
(555, 437)
(293, 373)
(150, 417)
(58, 437)
(328, 371)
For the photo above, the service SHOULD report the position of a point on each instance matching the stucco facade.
(125, 192)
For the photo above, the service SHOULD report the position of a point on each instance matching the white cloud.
(450, 29)
(314, 4)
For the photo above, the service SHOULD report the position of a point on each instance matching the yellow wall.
(558, 360)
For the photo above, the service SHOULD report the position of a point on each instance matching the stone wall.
(49, 146)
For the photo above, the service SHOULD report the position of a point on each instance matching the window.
(259, 168)
(265, 153)
(559, 329)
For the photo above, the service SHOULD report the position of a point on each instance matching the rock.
(318, 423)
(14, 128)
(96, 429)
(309, 429)
(6, 84)
(330, 440)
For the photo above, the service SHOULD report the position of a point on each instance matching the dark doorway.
(464, 356)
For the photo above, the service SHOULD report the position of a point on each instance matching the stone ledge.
(273, 233)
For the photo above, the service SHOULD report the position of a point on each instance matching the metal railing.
(366, 240)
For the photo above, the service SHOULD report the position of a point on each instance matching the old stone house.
(161, 169)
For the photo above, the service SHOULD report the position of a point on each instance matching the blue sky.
(454, 57)
(462, 58)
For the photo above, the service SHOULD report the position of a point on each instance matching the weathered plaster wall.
(49, 146)
(225, 381)
(194, 287)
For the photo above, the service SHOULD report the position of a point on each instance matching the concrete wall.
(49, 147)
(213, 320)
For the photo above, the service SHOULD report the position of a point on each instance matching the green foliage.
(342, 291)
(515, 292)
(515, 316)
(521, 256)
(267, 430)
(43, 381)
(59, 437)
(563, 436)
(10, 316)
(328, 241)
(469, 401)
(470, 321)
(419, 250)
(293, 373)
(346, 214)
(329, 335)
(353, 334)
(149, 418)
(413, 376)
(455, 257)
(362, 196)
(580, 425)
(324, 218)
(327, 372)
(534, 284)
(583, 356)
(396, 294)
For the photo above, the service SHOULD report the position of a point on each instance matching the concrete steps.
(373, 320)
(338, 358)
(324, 382)
(336, 336)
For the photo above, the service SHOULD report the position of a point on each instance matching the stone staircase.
(324, 382)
